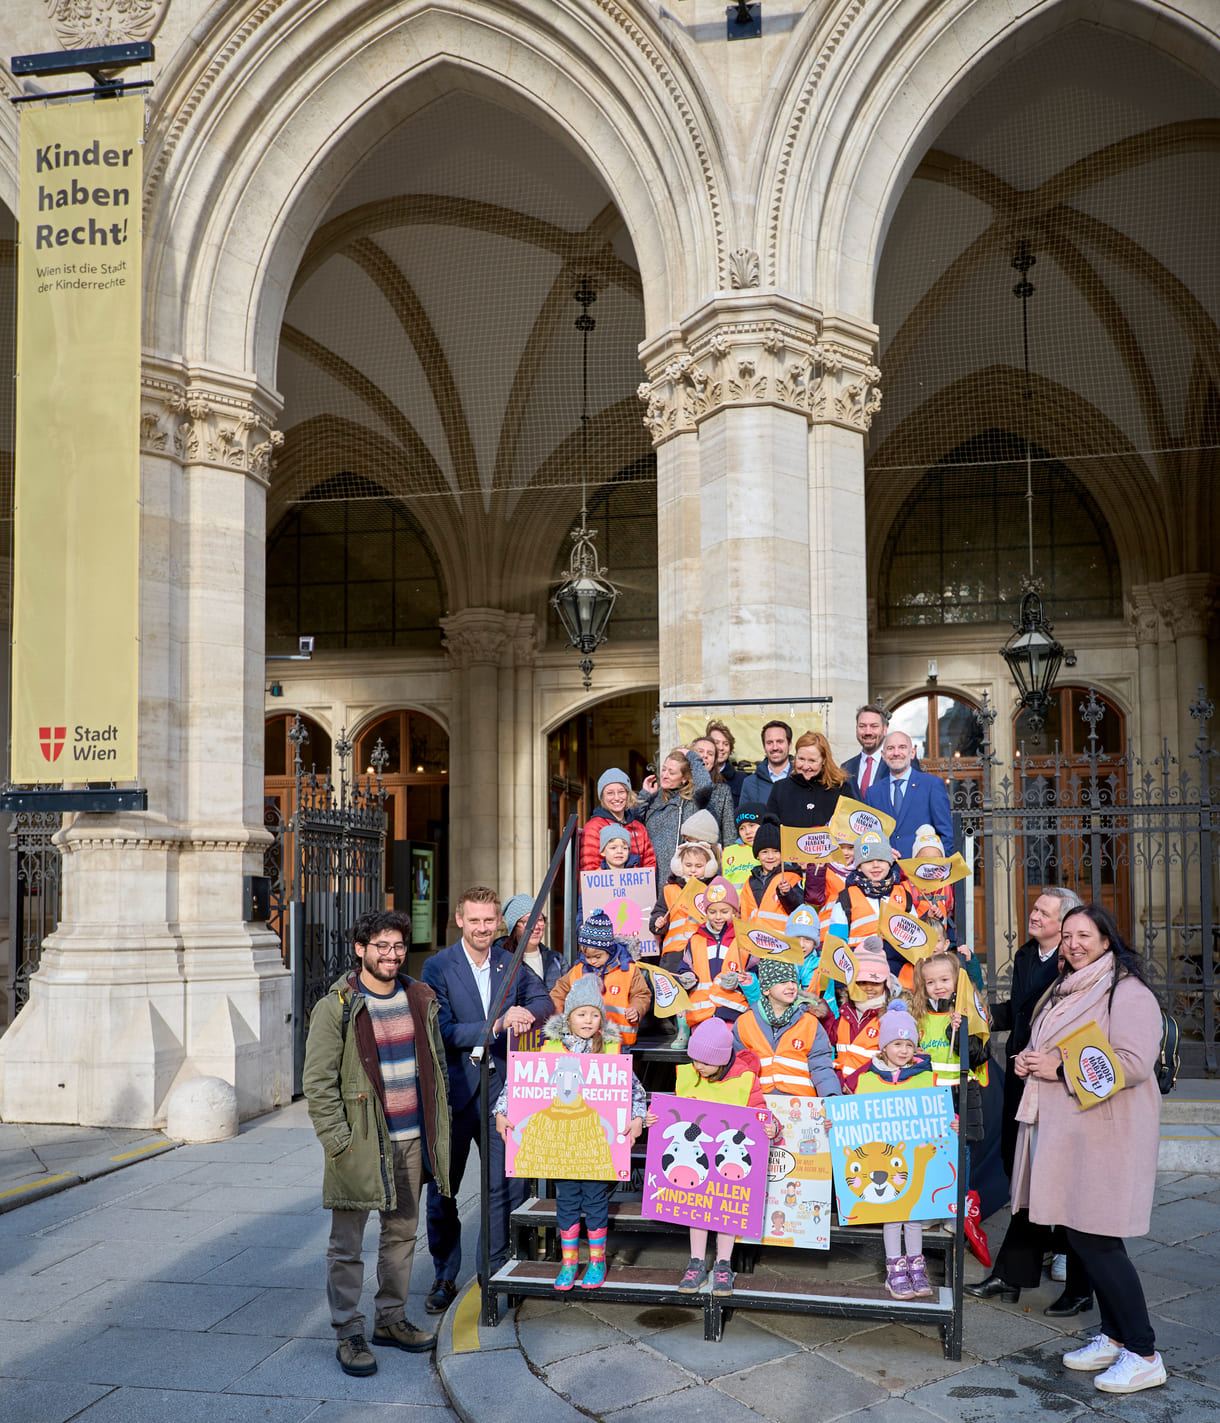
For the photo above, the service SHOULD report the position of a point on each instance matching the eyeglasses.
(398, 948)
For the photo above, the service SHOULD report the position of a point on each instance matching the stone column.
(153, 977)
(1148, 632)
(758, 409)
(1188, 604)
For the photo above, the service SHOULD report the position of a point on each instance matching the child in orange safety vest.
(875, 882)
(624, 988)
(860, 1008)
(791, 1045)
(696, 858)
(712, 968)
(774, 889)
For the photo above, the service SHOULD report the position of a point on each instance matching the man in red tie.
(869, 766)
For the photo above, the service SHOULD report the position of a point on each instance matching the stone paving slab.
(743, 1345)
(990, 1392)
(298, 1368)
(560, 1334)
(160, 1405)
(45, 1401)
(619, 1374)
(699, 1403)
(895, 1357)
(1180, 1400)
(785, 1388)
(156, 1305)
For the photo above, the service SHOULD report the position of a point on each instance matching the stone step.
(1187, 1111)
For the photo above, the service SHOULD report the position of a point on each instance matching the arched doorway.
(416, 781)
(1072, 768)
(614, 733)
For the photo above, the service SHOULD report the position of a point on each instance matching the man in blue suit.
(912, 797)
(467, 979)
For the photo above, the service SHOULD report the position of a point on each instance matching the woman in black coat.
(811, 791)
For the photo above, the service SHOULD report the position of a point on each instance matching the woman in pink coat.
(1094, 1171)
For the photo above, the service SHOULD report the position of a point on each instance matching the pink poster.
(627, 896)
(706, 1165)
(569, 1115)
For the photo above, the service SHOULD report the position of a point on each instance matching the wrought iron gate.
(33, 898)
(1139, 838)
(334, 842)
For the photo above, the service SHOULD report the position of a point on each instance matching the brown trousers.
(395, 1251)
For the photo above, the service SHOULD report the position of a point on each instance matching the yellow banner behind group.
(77, 495)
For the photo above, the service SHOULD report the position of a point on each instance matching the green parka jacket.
(346, 1098)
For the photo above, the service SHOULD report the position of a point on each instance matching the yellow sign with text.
(757, 937)
(935, 874)
(76, 546)
(852, 818)
(1091, 1065)
(970, 1005)
(808, 847)
(914, 938)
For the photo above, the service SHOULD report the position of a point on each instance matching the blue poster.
(894, 1155)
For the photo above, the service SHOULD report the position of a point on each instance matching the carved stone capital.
(205, 418)
(490, 637)
(84, 24)
(759, 349)
(1143, 616)
(1188, 603)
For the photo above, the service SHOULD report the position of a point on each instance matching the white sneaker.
(1059, 1268)
(1099, 1353)
(1130, 1374)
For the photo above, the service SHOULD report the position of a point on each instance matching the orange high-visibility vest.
(864, 914)
(854, 1053)
(616, 985)
(682, 923)
(836, 881)
(785, 1067)
(707, 995)
(770, 910)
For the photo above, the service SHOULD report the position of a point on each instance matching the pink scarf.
(1082, 997)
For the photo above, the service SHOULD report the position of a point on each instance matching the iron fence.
(34, 898)
(1137, 837)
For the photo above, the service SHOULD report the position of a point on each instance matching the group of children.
(758, 1028)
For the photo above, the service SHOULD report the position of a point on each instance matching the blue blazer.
(926, 802)
(449, 975)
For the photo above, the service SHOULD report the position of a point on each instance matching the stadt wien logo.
(51, 739)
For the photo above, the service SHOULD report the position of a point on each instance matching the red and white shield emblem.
(51, 739)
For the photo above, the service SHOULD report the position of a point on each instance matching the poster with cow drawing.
(569, 1116)
(894, 1155)
(798, 1176)
(706, 1165)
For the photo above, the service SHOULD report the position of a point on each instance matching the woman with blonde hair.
(809, 794)
(668, 800)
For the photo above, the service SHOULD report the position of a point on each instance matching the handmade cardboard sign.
(935, 874)
(569, 1115)
(894, 1155)
(807, 847)
(852, 818)
(838, 962)
(706, 1165)
(972, 1008)
(914, 938)
(693, 899)
(627, 896)
(1091, 1065)
(797, 1211)
(756, 937)
(669, 998)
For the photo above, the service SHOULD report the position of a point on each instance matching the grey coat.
(663, 819)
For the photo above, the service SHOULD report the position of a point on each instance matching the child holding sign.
(738, 861)
(899, 1064)
(623, 986)
(582, 1027)
(717, 1073)
(791, 1045)
(720, 968)
(875, 882)
(861, 1004)
(773, 890)
(940, 1030)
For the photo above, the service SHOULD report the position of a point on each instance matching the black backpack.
(1168, 1062)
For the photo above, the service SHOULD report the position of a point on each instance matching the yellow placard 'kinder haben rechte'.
(1091, 1065)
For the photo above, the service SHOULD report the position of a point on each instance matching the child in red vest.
(623, 986)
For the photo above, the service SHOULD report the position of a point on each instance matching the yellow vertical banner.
(77, 491)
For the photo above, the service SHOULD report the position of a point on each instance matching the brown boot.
(355, 1357)
(404, 1335)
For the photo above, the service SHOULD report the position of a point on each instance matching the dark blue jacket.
(926, 802)
(449, 976)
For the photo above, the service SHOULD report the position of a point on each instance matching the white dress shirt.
(482, 977)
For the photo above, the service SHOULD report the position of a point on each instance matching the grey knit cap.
(585, 992)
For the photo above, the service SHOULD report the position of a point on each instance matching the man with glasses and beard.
(377, 1091)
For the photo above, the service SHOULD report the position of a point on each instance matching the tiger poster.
(797, 1211)
(894, 1155)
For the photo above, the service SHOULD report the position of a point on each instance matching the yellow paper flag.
(852, 818)
(807, 847)
(756, 937)
(935, 874)
(972, 1008)
(838, 962)
(914, 938)
(693, 899)
(1091, 1065)
(669, 998)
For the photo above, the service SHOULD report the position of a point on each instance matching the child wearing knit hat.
(772, 890)
(695, 859)
(861, 1004)
(875, 885)
(623, 986)
(900, 1064)
(715, 970)
(714, 1072)
(738, 860)
(584, 1026)
(791, 1045)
